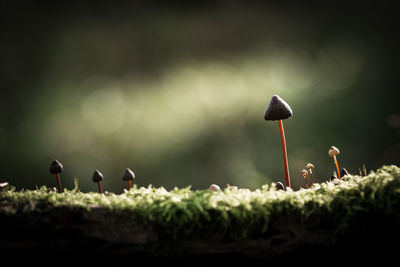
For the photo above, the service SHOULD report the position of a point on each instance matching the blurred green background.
(177, 90)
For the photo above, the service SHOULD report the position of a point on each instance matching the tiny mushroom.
(310, 166)
(128, 175)
(56, 168)
(214, 188)
(333, 152)
(279, 186)
(305, 173)
(3, 185)
(279, 110)
(97, 177)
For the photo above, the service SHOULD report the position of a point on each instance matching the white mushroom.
(214, 188)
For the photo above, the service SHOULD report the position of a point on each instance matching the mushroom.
(279, 110)
(279, 186)
(56, 168)
(305, 173)
(310, 166)
(3, 185)
(128, 175)
(333, 152)
(97, 177)
(214, 188)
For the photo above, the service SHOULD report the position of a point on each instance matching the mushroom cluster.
(56, 168)
(279, 110)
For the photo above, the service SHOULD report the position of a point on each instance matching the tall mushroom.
(56, 168)
(333, 152)
(97, 177)
(279, 110)
(128, 175)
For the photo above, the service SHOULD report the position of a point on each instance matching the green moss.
(234, 214)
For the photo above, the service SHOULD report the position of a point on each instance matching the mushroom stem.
(59, 183)
(100, 188)
(305, 180)
(129, 184)
(312, 178)
(337, 166)
(285, 162)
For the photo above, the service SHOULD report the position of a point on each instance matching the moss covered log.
(361, 213)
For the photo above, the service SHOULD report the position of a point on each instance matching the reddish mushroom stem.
(312, 178)
(285, 161)
(59, 183)
(129, 184)
(337, 166)
(100, 188)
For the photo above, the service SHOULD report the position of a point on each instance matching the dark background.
(177, 90)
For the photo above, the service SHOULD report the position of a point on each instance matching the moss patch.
(235, 214)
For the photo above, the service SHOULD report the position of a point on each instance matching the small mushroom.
(310, 166)
(128, 175)
(3, 185)
(305, 173)
(56, 168)
(333, 152)
(214, 188)
(97, 177)
(279, 110)
(279, 186)
(344, 172)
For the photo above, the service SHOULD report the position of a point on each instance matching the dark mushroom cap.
(279, 186)
(344, 172)
(56, 167)
(277, 109)
(97, 176)
(128, 175)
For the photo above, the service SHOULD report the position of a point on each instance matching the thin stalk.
(59, 183)
(337, 166)
(305, 180)
(100, 188)
(129, 184)
(285, 161)
(312, 178)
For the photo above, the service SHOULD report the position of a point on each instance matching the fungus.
(3, 185)
(279, 186)
(214, 188)
(56, 168)
(333, 152)
(305, 173)
(279, 110)
(128, 175)
(97, 177)
(310, 166)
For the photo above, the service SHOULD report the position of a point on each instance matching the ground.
(357, 219)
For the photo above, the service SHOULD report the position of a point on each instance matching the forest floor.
(357, 218)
